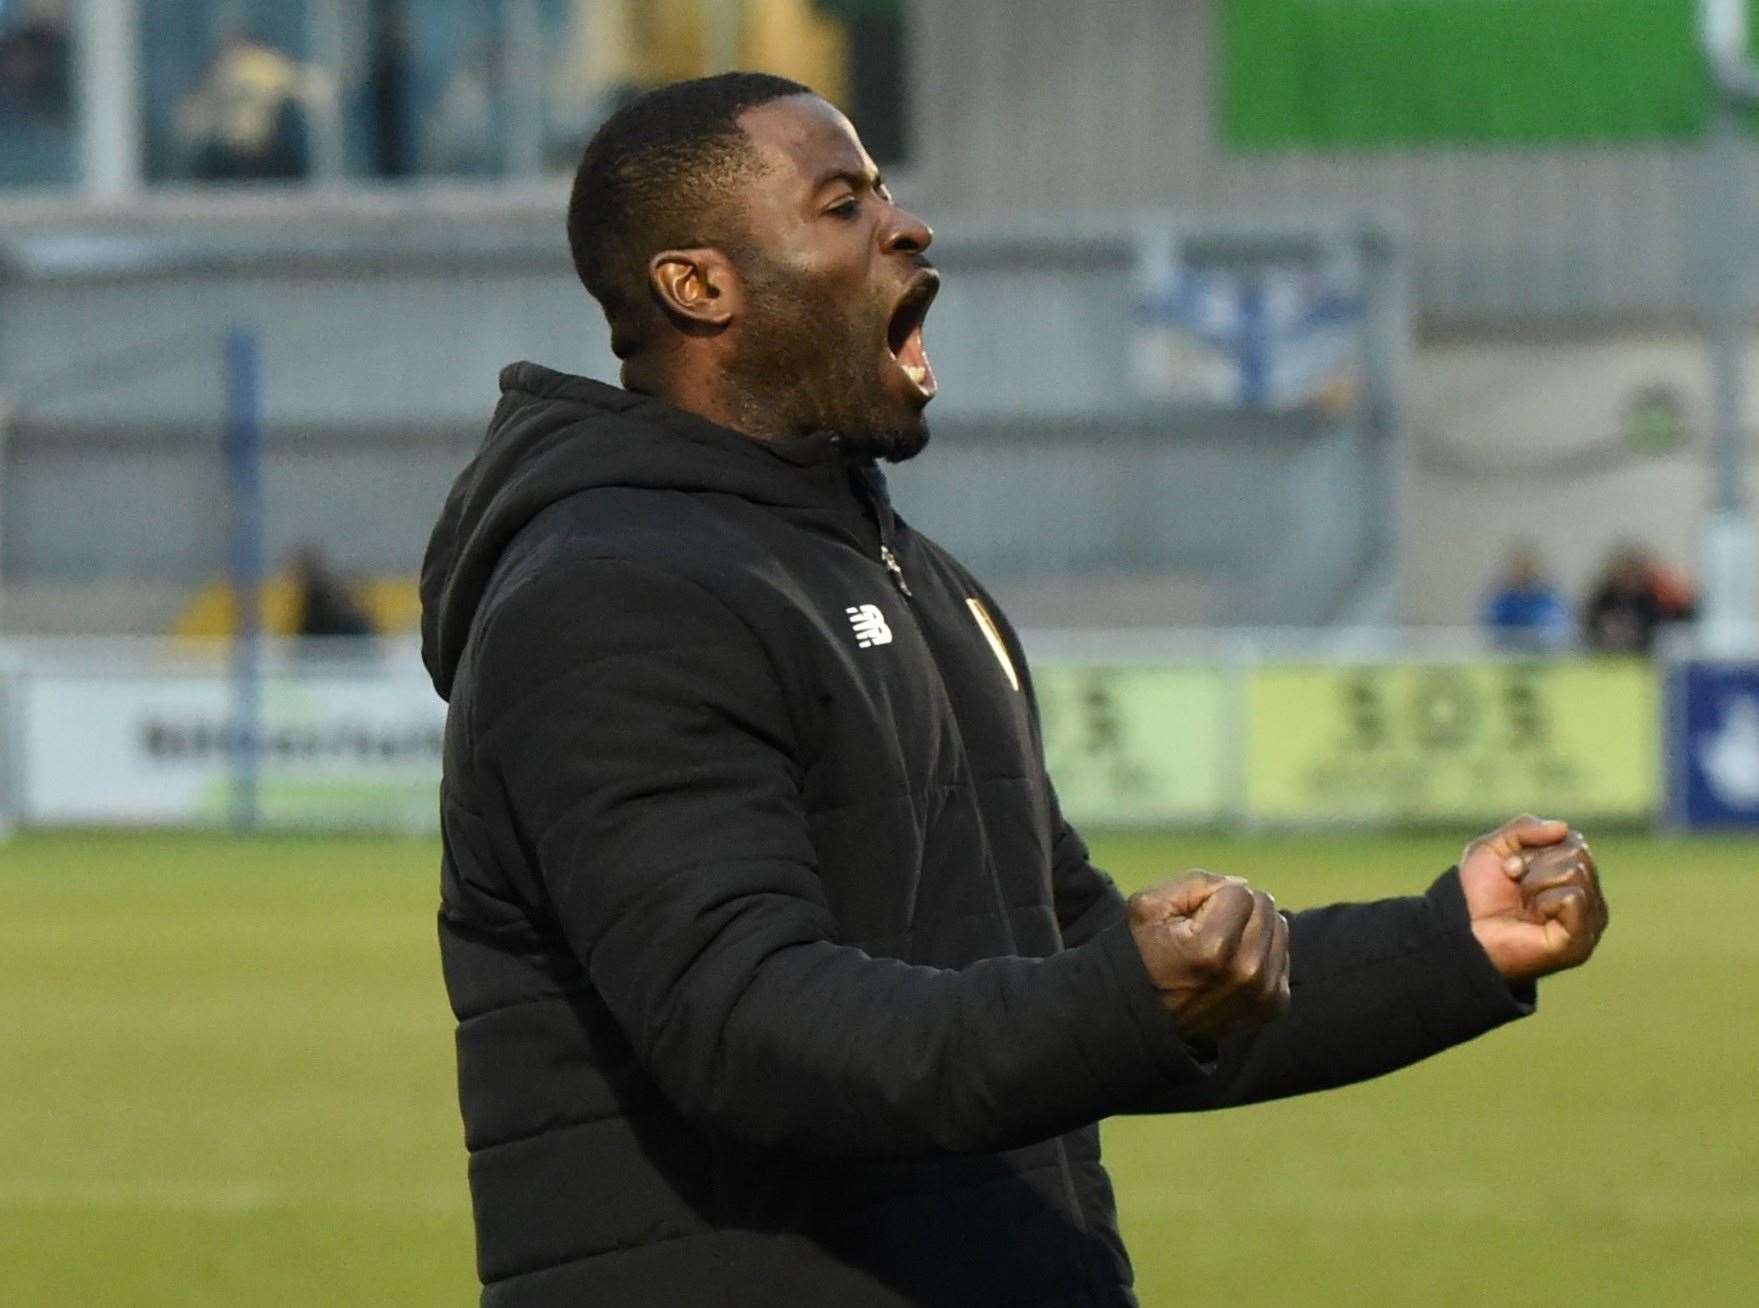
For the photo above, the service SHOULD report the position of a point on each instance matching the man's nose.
(907, 234)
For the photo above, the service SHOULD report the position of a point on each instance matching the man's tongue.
(913, 359)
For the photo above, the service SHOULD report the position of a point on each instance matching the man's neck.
(713, 398)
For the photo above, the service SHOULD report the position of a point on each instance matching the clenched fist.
(1534, 895)
(1217, 950)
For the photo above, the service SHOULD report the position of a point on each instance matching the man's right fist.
(1217, 950)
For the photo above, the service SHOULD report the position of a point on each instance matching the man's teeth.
(916, 372)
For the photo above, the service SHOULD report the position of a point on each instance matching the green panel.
(1136, 746)
(1356, 74)
(1445, 742)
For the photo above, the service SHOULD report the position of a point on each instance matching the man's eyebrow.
(855, 177)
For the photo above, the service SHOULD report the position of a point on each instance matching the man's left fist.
(1534, 896)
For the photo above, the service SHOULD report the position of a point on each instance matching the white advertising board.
(340, 747)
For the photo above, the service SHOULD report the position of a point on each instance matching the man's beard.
(807, 364)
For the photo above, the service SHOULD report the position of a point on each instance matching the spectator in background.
(1526, 610)
(1634, 598)
(246, 121)
(1673, 590)
(388, 88)
(326, 604)
(35, 83)
(462, 133)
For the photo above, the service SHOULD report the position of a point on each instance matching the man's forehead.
(807, 136)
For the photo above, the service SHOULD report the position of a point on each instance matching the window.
(38, 136)
(606, 51)
(229, 92)
(291, 90)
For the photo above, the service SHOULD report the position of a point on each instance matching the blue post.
(244, 480)
(1255, 346)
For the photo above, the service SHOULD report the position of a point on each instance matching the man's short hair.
(657, 176)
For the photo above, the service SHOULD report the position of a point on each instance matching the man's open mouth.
(904, 334)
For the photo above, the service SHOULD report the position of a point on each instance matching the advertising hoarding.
(1713, 744)
(1127, 745)
(1446, 741)
(350, 747)
(1136, 746)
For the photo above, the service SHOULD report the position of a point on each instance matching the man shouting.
(780, 978)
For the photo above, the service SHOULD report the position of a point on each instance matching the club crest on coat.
(993, 635)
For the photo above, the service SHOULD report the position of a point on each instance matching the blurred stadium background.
(1273, 331)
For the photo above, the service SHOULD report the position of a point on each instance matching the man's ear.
(699, 289)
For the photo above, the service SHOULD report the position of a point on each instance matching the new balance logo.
(870, 625)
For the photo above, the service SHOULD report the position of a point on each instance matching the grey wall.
(380, 341)
(384, 317)
(387, 312)
(1222, 513)
(1109, 103)
(148, 504)
(382, 332)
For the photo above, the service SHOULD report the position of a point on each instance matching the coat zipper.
(896, 569)
(882, 518)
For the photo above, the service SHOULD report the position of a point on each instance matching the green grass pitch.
(227, 1079)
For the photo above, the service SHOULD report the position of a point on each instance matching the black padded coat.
(779, 977)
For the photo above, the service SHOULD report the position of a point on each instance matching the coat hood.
(553, 436)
